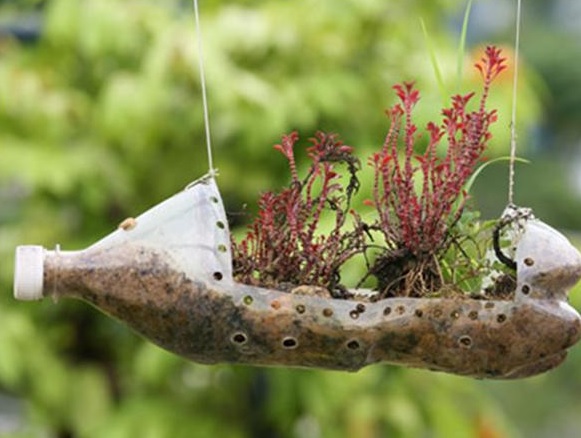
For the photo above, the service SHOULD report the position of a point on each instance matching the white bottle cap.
(29, 272)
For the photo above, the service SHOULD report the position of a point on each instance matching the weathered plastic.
(167, 274)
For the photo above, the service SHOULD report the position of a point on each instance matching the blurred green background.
(100, 118)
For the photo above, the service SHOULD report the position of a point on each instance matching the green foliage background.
(101, 118)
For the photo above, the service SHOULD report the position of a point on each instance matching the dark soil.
(400, 274)
(503, 288)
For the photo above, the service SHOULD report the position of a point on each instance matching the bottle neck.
(102, 274)
(137, 285)
(64, 274)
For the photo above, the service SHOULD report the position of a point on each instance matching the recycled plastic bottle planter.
(167, 274)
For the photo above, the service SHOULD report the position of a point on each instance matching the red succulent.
(418, 219)
(418, 199)
(284, 246)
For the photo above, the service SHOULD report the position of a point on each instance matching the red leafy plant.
(418, 197)
(284, 247)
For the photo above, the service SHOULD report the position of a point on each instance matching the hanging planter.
(167, 274)
(275, 298)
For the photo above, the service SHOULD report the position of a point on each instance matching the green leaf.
(462, 45)
(477, 172)
(434, 61)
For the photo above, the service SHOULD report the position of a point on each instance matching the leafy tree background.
(100, 118)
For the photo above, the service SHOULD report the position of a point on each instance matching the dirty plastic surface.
(167, 275)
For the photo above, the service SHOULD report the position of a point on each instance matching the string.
(211, 170)
(514, 105)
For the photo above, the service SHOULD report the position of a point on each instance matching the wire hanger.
(211, 170)
(514, 106)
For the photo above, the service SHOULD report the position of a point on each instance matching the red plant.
(418, 198)
(283, 246)
(417, 220)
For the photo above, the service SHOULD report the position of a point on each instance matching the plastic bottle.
(167, 274)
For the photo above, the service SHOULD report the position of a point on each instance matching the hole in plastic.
(360, 308)
(290, 342)
(455, 314)
(220, 225)
(529, 262)
(217, 276)
(222, 248)
(419, 313)
(239, 338)
(525, 289)
(275, 304)
(501, 318)
(353, 344)
(248, 300)
(354, 314)
(300, 308)
(473, 315)
(387, 311)
(214, 199)
(400, 310)
(327, 312)
(465, 341)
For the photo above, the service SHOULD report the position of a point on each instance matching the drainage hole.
(248, 300)
(465, 341)
(217, 276)
(239, 338)
(327, 312)
(525, 289)
(501, 318)
(300, 308)
(419, 313)
(387, 311)
(354, 314)
(529, 262)
(353, 345)
(220, 225)
(473, 315)
(290, 343)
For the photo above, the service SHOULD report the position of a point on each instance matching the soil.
(223, 321)
(503, 288)
(400, 274)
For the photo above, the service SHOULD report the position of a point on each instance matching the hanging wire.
(514, 104)
(211, 169)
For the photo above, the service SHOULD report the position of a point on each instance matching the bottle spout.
(29, 273)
